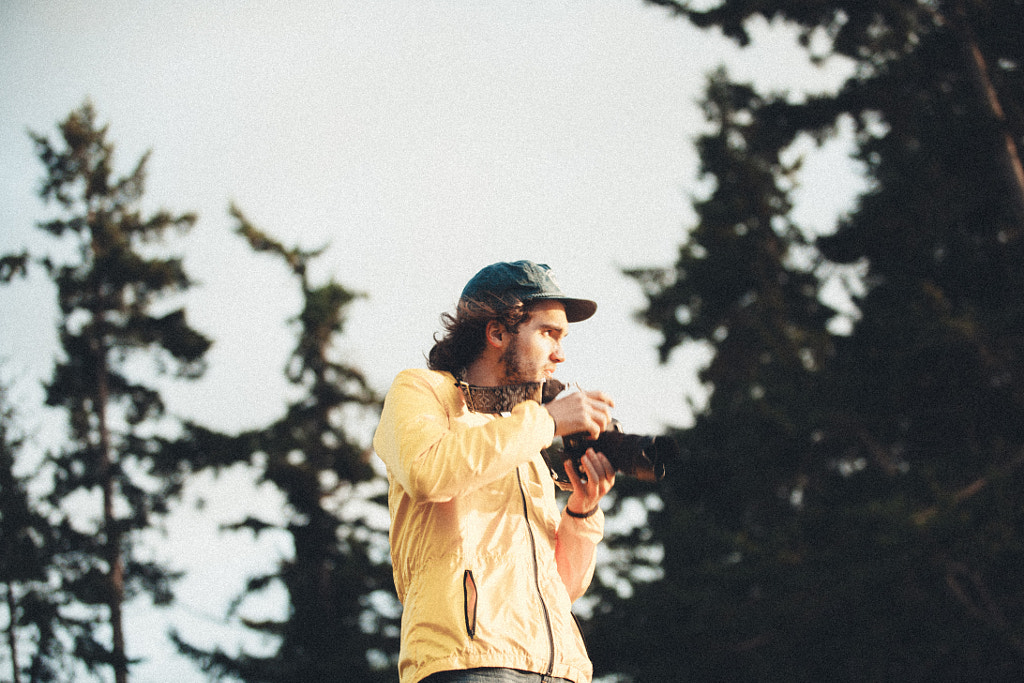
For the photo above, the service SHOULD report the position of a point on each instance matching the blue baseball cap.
(525, 281)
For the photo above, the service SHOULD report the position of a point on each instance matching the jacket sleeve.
(434, 462)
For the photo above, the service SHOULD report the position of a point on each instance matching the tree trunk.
(115, 562)
(12, 634)
(1009, 154)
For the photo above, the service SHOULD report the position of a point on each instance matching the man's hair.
(464, 333)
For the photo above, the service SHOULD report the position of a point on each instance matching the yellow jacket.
(475, 531)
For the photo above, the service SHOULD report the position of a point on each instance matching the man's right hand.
(581, 411)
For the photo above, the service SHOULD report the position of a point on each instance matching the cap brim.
(576, 310)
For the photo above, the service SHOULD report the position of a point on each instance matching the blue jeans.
(490, 675)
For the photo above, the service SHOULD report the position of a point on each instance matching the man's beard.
(518, 384)
(512, 363)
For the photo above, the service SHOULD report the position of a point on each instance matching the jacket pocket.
(469, 596)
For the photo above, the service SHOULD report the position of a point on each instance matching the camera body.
(642, 457)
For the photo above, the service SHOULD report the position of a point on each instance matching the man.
(485, 564)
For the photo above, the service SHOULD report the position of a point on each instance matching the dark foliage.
(113, 286)
(342, 621)
(850, 504)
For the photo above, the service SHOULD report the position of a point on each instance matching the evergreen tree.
(849, 508)
(744, 284)
(112, 289)
(25, 539)
(342, 619)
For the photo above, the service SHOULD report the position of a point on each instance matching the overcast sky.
(421, 141)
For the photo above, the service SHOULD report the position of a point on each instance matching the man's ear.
(496, 334)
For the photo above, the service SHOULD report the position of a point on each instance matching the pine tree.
(849, 508)
(25, 541)
(744, 285)
(113, 290)
(341, 622)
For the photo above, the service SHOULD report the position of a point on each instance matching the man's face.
(533, 353)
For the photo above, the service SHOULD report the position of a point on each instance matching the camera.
(642, 457)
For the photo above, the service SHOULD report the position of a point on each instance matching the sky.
(418, 141)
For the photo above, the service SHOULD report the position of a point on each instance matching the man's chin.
(526, 380)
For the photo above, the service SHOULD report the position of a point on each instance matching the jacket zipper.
(536, 577)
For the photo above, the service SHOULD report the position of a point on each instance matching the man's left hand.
(585, 496)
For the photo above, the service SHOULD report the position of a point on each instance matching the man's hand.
(582, 411)
(600, 478)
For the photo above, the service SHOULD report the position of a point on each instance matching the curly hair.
(464, 332)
